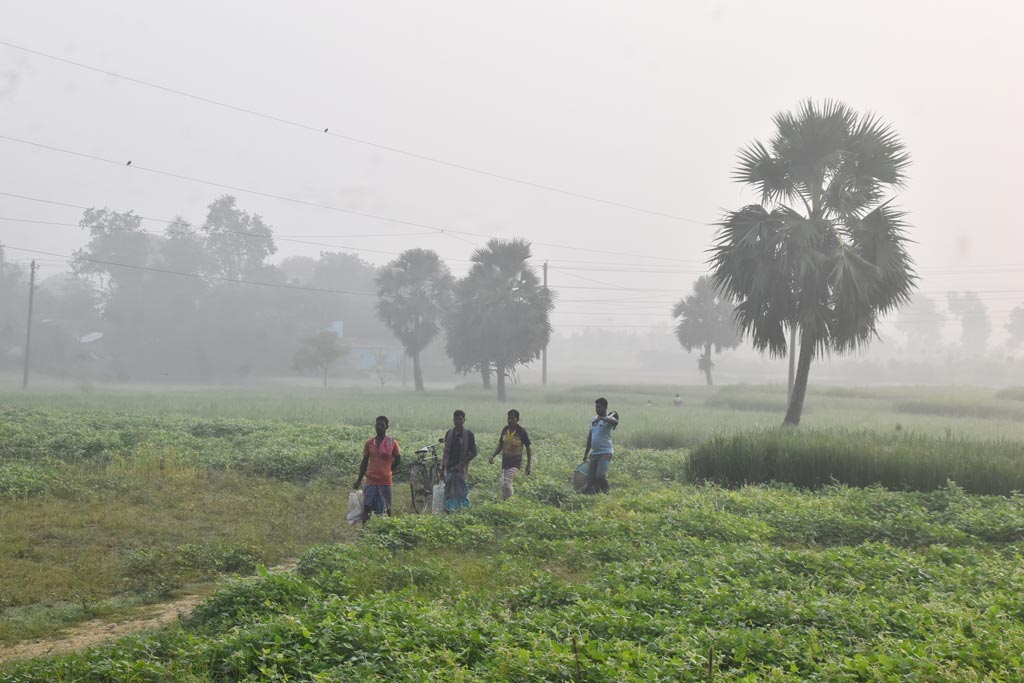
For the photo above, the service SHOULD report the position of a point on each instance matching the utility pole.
(544, 353)
(28, 329)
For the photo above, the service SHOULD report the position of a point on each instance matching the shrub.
(1011, 394)
(812, 459)
(981, 410)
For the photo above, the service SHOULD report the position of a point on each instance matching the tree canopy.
(501, 312)
(706, 322)
(413, 292)
(824, 252)
(318, 353)
(921, 322)
(1015, 327)
(975, 326)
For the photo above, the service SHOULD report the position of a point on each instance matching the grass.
(815, 458)
(113, 498)
(840, 585)
(150, 541)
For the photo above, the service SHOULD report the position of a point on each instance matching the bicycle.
(424, 474)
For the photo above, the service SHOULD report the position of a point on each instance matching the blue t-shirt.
(600, 436)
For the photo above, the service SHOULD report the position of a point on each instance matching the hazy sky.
(642, 104)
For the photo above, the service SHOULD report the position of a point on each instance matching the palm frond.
(880, 156)
(812, 141)
(768, 174)
(880, 239)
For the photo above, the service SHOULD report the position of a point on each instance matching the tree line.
(204, 303)
(807, 270)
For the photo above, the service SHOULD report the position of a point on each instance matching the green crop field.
(880, 541)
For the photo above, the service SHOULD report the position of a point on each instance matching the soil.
(101, 631)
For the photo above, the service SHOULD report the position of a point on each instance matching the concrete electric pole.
(28, 329)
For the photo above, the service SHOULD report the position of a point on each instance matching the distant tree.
(380, 366)
(239, 242)
(13, 301)
(319, 352)
(502, 313)
(822, 253)
(298, 269)
(114, 238)
(706, 321)
(413, 292)
(921, 322)
(973, 314)
(1015, 327)
(167, 311)
(340, 272)
(465, 338)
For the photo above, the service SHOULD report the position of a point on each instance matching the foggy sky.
(643, 104)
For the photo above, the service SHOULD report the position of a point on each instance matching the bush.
(812, 459)
(981, 410)
(1011, 394)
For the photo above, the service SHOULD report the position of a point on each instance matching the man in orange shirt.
(381, 456)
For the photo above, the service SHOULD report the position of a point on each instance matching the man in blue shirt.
(599, 447)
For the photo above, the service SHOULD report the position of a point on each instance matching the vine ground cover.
(191, 485)
(838, 585)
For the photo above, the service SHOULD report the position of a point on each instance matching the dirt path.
(100, 631)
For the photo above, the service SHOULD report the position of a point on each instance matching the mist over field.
(146, 182)
(263, 264)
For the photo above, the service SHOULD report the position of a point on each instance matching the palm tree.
(412, 293)
(823, 253)
(465, 339)
(706, 321)
(501, 317)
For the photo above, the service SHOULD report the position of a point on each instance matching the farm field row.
(766, 584)
(115, 498)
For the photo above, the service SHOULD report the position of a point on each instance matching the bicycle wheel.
(421, 489)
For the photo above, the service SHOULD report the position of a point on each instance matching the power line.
(357, 140)
(269, 238)
(193, 275)
(223, 186)
(284, 198)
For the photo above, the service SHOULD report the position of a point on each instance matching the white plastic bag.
(355, 507)
(437, 504)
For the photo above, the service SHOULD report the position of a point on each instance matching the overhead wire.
(169, 231)
(351, 138)
(628, 268)
(285, 198)
(168, 271)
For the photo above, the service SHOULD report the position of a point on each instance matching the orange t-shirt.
(378, 468)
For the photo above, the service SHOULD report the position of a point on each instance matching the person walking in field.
(459, 450)
(511, 443)
(599, 449)
(381, 456)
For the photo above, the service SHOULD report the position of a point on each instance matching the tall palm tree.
(465, 339)
(706, 321)
(501, 316)
(824, 252)
(413, 292)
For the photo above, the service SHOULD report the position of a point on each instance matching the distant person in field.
(598, 452)
(459, 449)
(381, 456)
(677, 401)
(511, 444)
